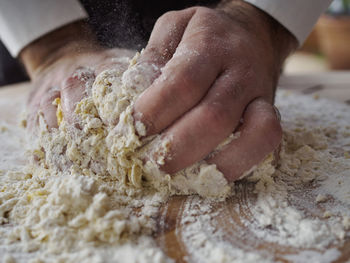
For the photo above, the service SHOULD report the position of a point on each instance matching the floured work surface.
(299, 213)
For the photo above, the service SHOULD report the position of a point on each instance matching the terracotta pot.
(311, 43)
(334, 40)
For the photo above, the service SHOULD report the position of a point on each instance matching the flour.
(90, 196)
(301, 210)
(87, 191)
(62, 214)
(104, 143)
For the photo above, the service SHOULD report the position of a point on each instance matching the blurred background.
(328, 46)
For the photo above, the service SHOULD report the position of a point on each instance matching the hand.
(61, 65)
(217, 66)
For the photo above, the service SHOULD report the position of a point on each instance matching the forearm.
(67, 40)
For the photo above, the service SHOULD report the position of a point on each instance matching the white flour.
(78, 209)
(300, 213)
(104, 143)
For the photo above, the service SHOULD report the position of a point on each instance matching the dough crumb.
(9, 259)
(320, 198)
(327, 214)
(346, 222)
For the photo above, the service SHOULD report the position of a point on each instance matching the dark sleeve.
(117, 23)
(129, 23)
(11, 70)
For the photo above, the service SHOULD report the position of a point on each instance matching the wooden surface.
(169, 234)
(231, 221)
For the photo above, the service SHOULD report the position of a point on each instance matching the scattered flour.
(83, 188)
(88, 197)
(104, 143)
(299, 213)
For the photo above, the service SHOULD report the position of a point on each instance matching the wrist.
(269, 30)
(66, 41)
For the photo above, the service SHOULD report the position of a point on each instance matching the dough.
(105, 143)
(88, 196)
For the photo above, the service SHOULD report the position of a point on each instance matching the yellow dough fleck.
(59, 113)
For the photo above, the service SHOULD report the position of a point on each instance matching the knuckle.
(186, 90)
(209, 17)
(244, 79)
(166, 17)
(69, 83)
(49, 97)
(157, 52)
(205, 11)
(233, 92)
(149, 122)
(151, 49)
(239, 43)
(211, 46)
(153, 53)
(217, 115)
(80, 77)
(271, 129)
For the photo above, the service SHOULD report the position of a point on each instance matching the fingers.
(34, 101)
(165, 37)
(201, 129)
(163, 43)
(74, 89)
(186, 77)
(32, 117)
(185, 80)
(260, 135)
(48, 109)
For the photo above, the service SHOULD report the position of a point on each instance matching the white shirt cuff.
(298, 16)
(23, 21)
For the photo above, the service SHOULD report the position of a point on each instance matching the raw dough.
(104, 144)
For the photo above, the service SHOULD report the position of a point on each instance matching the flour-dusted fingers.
(73, 90)
(191, 68)
(47, 107)
(166, 36)
(199, 131)
(204, 88)
(32, 115)
(39, 89)
(183, 83)
(260, 135)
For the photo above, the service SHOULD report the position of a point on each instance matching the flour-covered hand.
(63, 64)
(217, 66)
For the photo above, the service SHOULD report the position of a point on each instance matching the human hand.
(217, 67)
(63, 65)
